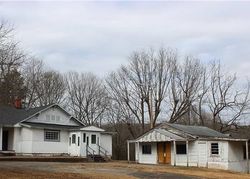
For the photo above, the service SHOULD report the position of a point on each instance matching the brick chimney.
(18, 104)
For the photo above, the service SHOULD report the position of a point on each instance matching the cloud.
(99, 36)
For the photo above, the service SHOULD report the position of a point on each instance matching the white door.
(93, 142)
(75, 144)
(202, 157)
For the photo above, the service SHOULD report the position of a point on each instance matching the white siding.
(31, 141)
(181, 159)
(106, 143)
(63, 119)
(220, 161)
(17, 139)
(41, 146)
(26, 141)
(236, 157)
(193, 153)
(148, 158)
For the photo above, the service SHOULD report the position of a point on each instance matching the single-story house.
(50, 130)
(183, 145)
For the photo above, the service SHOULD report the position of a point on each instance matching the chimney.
(18, 104)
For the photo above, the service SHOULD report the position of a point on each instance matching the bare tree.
(51, 88)
(141, 86)
(226, 103)
(44, 86)
(33, 72)
(186, 83)
(86, 97)
(11, 59)
(199, 106)
(5, 32)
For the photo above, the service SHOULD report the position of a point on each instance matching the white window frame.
(51, 131)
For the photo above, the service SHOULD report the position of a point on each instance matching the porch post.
(1, 136)
(247, 157)
(138, 152)
(128, 151)
(174, 153)
(187, 153)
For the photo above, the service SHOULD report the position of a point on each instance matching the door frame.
(5, 140)
(166, 150)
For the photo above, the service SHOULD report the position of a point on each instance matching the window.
(52, 135)
(84, 137)
(78, 141)
(93, 139)
(57, 118)
(53, 118)
(181, 149)
(214, 148)
(47, 117)
(73, 139)
(146, 149)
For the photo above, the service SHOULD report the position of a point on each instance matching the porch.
(161, 147)
(7, 140)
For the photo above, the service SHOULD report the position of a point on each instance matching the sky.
(99, 36)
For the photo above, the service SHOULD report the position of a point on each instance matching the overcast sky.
(99, 36)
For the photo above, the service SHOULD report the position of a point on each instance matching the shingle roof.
(199, 131)
(54, 126)
(10, 115)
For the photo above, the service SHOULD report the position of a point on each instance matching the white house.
(50, 130)
(181, 145)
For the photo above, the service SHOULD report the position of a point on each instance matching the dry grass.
(111, 170)
(191, 171)
(24, 174)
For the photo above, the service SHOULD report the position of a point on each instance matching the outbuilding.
(183, 145)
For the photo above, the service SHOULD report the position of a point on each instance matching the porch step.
(96, 158)
(7, 153)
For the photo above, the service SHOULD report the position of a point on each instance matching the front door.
(5, 140)
(164, 152)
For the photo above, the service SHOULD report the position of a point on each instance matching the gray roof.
(10, 115)
(54, 126)
(198, 131)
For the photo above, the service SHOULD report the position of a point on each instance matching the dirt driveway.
(111, 170)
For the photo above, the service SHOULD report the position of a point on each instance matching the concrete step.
(96, 158)
(7, 153)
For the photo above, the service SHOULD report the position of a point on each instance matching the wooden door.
(168, 153)
(164, 152)
(160, 151)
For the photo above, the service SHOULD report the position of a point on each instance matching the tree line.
(155, 86)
